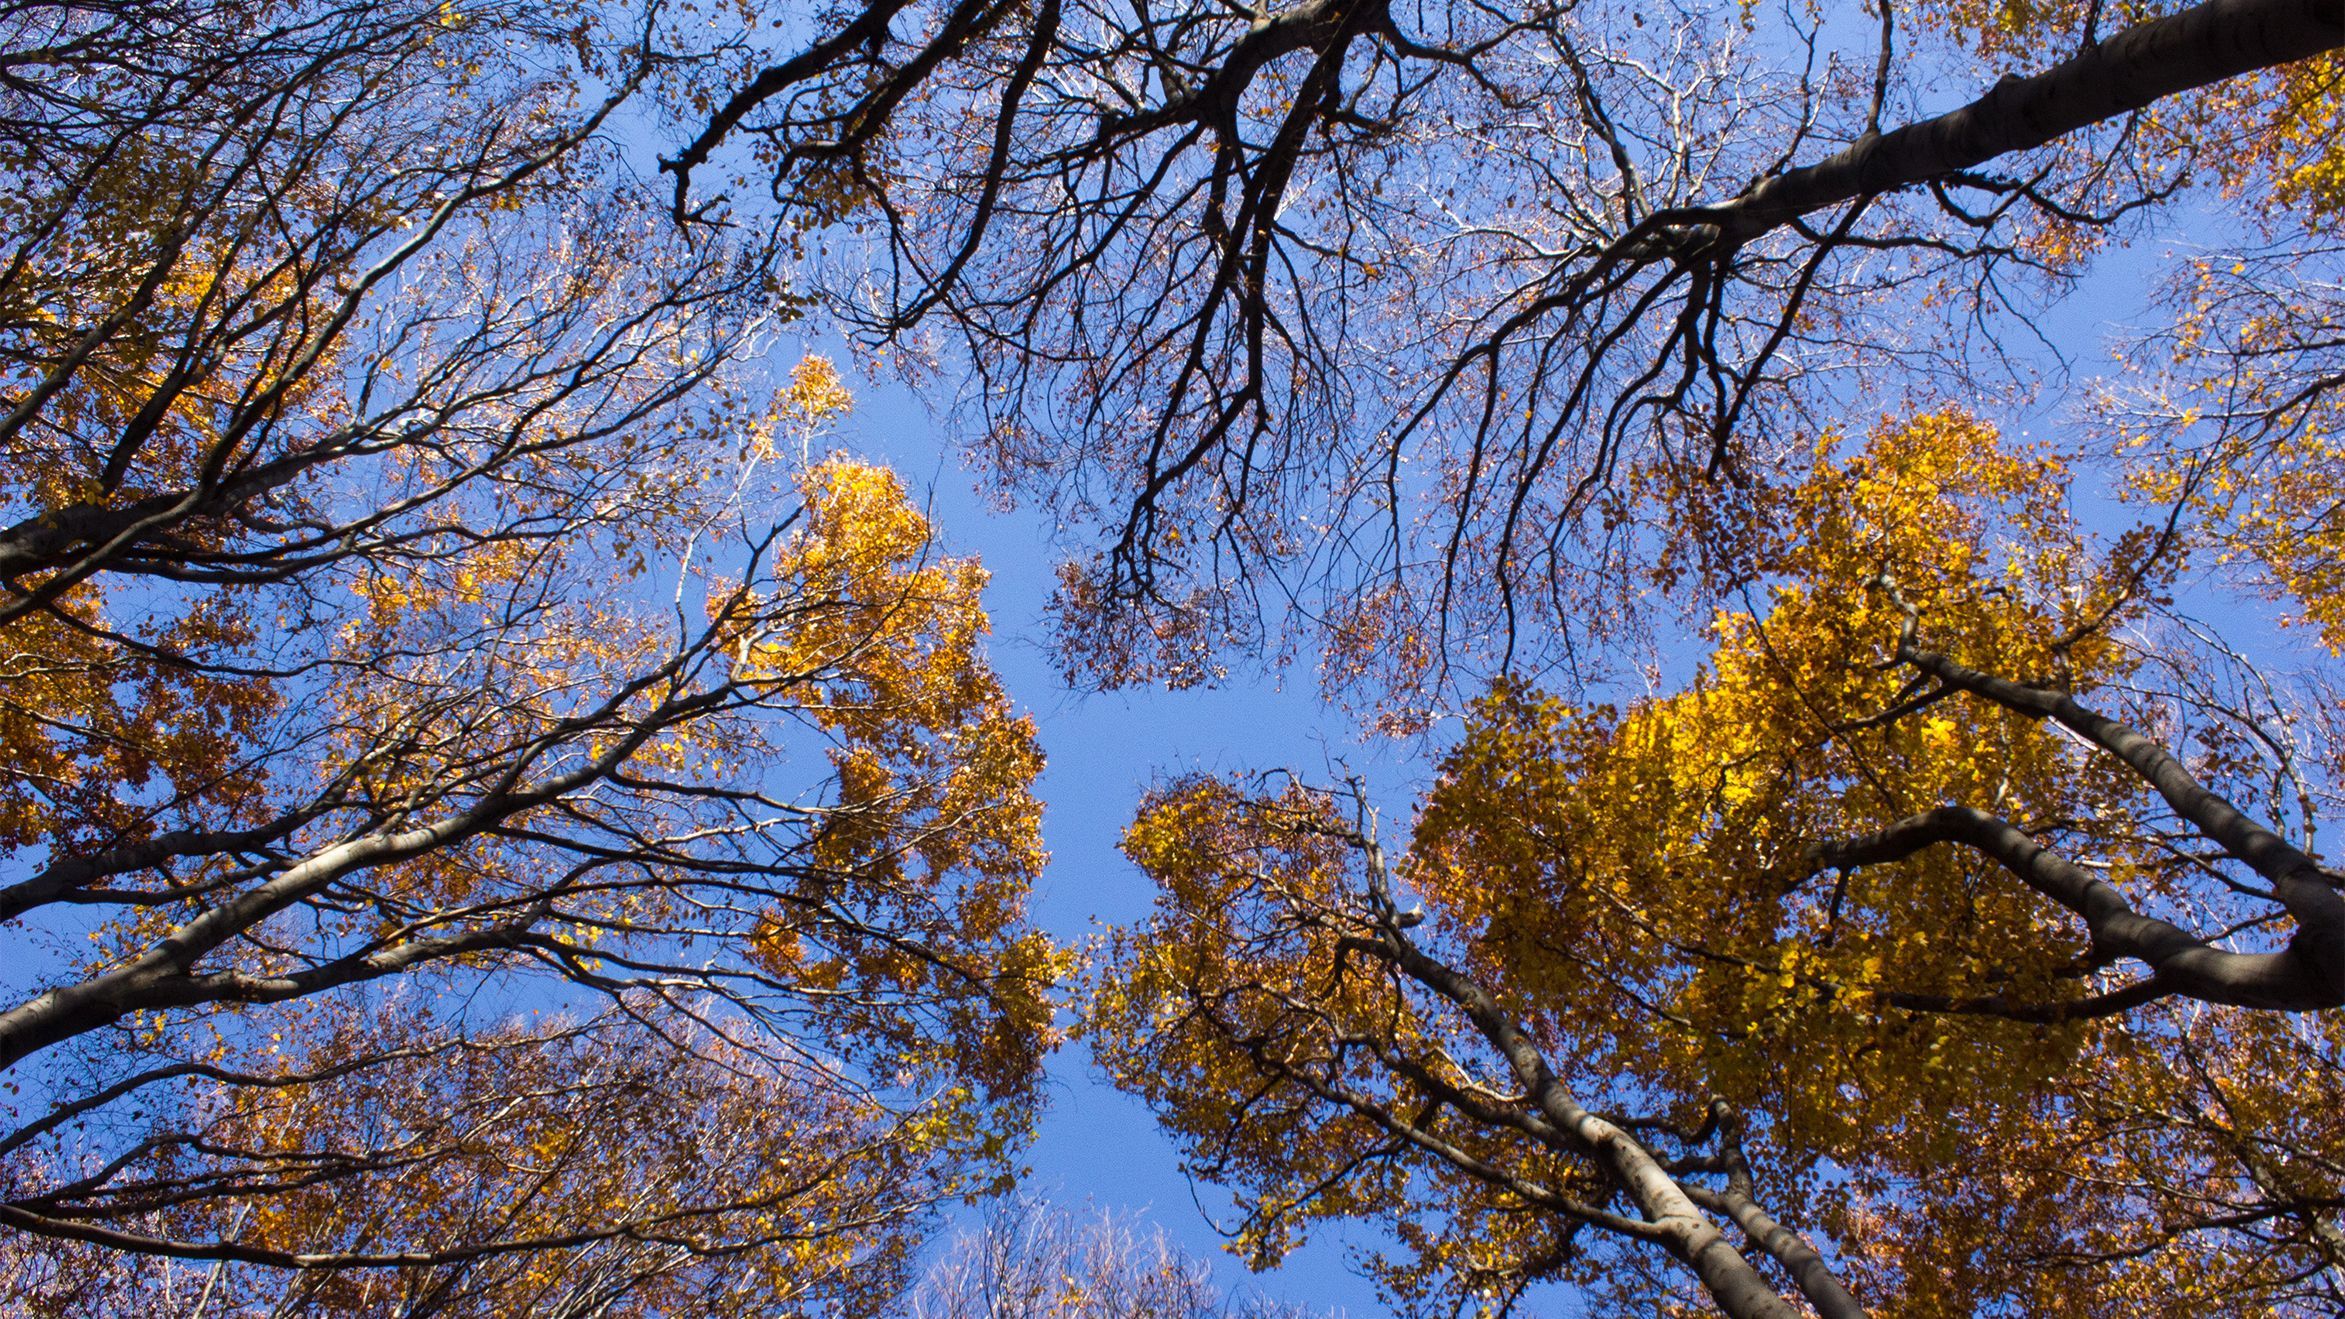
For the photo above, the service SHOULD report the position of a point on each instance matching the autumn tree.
(1928, 947)
(1531, 339)
(1367, 306)
(495, 824)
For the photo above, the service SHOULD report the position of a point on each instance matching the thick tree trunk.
(1738, 1288)
(2195, 48)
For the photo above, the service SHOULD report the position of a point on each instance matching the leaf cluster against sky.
(512, 808)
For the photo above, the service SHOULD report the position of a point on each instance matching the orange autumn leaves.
(762, 872)
(788, 1159)
(1641, 884)
(2247, 430)
(1668, 835)
(882, 649)
(507, 830)
(85, 728)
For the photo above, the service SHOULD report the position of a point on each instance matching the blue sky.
(1097, 1146)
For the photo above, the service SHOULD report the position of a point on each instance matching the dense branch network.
(1382, 300)
(2308, 975)
(1313, 987)
(494, 822)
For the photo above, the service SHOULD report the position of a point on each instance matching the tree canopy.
(499, 818)
(496, 823)
(1964, 970)
(1367, 307)
(1886, 879)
